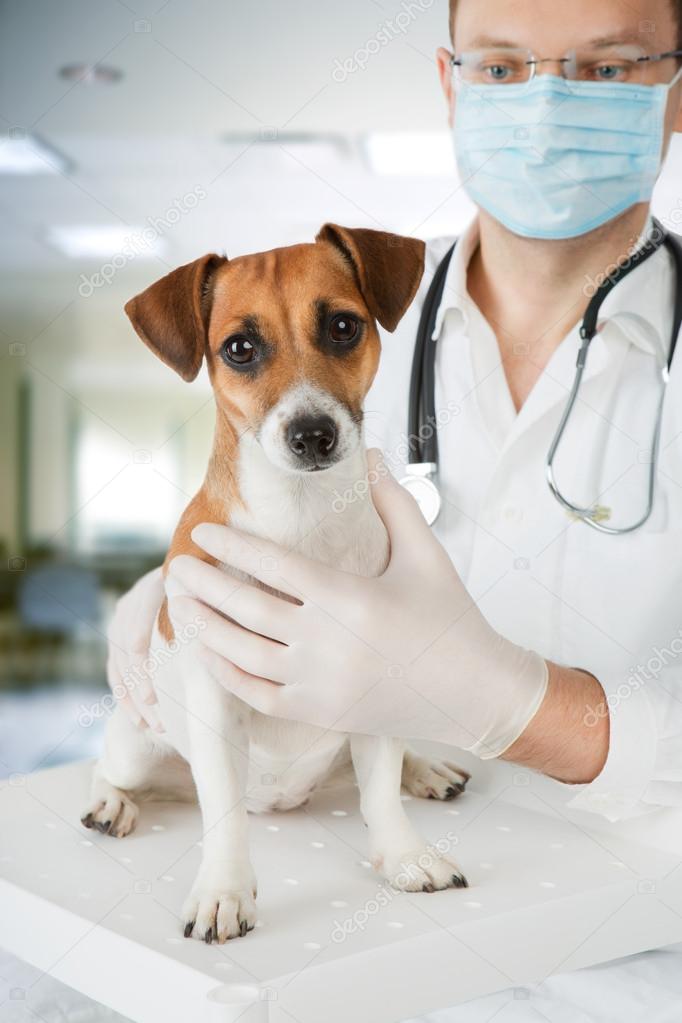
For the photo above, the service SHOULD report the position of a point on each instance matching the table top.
(333, 941)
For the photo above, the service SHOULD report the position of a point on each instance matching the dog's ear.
(388, 268)
(172, 315)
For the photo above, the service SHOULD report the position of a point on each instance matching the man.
(565, 660)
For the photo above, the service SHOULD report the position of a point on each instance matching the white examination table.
(549, 894)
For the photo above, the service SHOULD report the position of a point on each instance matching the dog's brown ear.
(172, 315)
(388, 268)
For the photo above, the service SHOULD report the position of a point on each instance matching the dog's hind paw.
(218, 914)
(432, 779)
(112, 812)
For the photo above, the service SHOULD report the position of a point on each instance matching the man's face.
(550, 29)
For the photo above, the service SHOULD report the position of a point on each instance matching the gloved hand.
(129, 634)
(407, 654)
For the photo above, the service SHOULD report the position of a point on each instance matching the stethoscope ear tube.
(421, 425)
(422, 438)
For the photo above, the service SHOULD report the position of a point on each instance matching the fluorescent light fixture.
(410, 154)
(312, 149)
(106, 242)
(91, 74)
(27, 154)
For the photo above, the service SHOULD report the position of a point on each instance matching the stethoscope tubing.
(422, 425)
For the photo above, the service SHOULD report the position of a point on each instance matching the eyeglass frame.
(533, 63)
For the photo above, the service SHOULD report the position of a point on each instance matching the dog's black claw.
(188, 929)
(428, 887)
(208, 937)
(87, 820)
(103, 828)
(243, 928)
(459, 881)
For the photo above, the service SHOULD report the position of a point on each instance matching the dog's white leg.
(221, 904)
(128, 763)
(429, 778)
(396, 850)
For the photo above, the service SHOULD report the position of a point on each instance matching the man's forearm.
(568, 739)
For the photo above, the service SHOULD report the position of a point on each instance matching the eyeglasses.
(502, 65)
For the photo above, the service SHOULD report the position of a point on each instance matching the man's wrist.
(568, 737)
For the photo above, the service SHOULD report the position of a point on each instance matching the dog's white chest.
(330, 518)
(327, 516)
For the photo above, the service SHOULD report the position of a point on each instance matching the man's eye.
(238, 350)
(498, 72)
(343, 328)
(609, 72)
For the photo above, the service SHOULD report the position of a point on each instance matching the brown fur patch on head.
(281, 297)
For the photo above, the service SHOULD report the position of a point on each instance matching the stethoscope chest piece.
(418, 482)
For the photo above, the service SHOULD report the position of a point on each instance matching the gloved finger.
(133, 689)
(406, 526)
(133, 621)
(126, 673)
(145, 695)
(150, 715)
(258, 655)
(126, 704)
(247, 604)
(259, 693)
(281, 569)
(142, 715)
(141, 691)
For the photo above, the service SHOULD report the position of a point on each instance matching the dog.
(291, 342)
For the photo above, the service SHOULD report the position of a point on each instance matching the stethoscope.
(422, 468)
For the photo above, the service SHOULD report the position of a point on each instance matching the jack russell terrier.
(292, 346)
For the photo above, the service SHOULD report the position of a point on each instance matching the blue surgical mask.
(555, 159)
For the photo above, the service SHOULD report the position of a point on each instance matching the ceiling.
(215, 96)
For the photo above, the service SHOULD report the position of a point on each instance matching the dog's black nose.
(312, 438)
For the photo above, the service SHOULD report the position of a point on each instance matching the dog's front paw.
(420, 870)
(432, 779)
(219, 911)
(112, 812)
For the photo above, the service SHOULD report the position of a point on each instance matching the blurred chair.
(59, 611)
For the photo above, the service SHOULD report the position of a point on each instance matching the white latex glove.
(407, 654)
(129, 635)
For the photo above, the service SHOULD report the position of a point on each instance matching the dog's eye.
(343, 328)
(238, 350)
